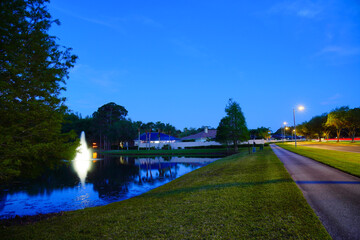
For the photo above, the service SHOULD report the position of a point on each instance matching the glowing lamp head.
(301, 108)
(284, 123)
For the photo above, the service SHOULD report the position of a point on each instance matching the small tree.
(233, 127)
(337, 119)
(223, 131)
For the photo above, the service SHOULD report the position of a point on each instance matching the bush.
(166, 147)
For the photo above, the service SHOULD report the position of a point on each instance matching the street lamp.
(284, 131)
(300, 108)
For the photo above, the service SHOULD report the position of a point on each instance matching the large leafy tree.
(303, 130)
(75, 122)
(353, 122)
(104, 118)
(122, 131)
(261, 132)
(233, 126)
(337, 119)
(33, 70)
(328, 130)
(316, 125)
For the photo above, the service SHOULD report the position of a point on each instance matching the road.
(333, 195)
(355, 148)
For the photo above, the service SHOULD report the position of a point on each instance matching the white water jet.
(82, 161)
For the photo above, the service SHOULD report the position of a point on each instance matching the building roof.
(210, 134)
(154, 136)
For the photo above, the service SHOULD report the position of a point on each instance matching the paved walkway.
(332, 194)
(355, 148)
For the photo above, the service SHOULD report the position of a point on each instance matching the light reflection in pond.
(82, 167)
(94, 183)
(82, 161)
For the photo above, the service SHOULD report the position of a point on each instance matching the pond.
(90, 183)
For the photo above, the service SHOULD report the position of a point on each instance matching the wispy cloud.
(107, 80)
(186, 48)
(116, 23)
(145, 21)
(305, 9)
(89, 88)
(107, 22)
(339, 50)
(332, 100)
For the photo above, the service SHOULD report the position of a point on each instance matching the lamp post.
(284, 131)
(300, 108)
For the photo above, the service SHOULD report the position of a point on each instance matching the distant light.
(285, 123)
(301, 108)
(287, 128)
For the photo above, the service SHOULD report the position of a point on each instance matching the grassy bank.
(332, 143)
(238, 197)
(346, 161)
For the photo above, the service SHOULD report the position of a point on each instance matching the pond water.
(90, 183)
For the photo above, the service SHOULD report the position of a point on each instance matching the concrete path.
(355, 148)
(332, 194)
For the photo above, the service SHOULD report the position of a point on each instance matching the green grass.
(168, 152)
(238, 197)
(331, 143)
(346, 161)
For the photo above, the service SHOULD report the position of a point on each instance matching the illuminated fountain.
(82, 161)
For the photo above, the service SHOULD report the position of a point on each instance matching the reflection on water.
(82, 162)
(82, 167)
(94, 183)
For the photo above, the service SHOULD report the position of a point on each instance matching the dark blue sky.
(180, 61)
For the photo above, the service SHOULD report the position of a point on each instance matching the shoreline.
(241, 196)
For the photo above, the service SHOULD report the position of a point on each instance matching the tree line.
(109, 126)
(340, 122)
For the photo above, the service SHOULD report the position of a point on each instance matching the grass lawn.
(346, 161)
(180, 152)
(331, 143)
(238, 197)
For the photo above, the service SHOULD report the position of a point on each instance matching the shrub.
(166, 147)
